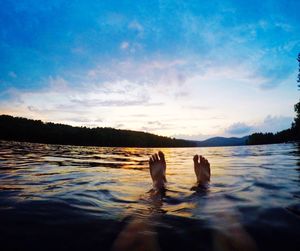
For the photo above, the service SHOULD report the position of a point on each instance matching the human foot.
(157, 166)
(202, 169)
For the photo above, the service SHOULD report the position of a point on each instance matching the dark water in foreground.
(56, 197)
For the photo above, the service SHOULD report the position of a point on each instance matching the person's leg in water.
(139, 233)
(202, 170)
(157, 166)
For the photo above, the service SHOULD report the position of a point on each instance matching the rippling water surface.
(95, 198)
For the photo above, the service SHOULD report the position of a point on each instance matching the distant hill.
(222, 141)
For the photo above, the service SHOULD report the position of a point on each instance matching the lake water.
(55, 197)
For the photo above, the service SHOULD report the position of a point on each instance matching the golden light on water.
(123, 174)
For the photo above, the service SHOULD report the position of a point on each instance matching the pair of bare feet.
(157, 164)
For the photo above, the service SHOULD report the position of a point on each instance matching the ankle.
(159, 185)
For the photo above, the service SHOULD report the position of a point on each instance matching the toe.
(161, 156)
(195, 158)
(156, 157)
(150, 160)
(207, 163)
(201, 159)
(153, 158)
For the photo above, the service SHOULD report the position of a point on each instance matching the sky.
(184, 69)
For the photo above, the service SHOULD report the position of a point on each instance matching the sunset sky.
(186, 69)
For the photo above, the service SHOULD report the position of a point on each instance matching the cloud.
(274, 124)
(136, 26)
(183, 94)
(268, 124)
(112, 103)
(81, 120)
(195, 29)
(284, 26)
(151, 72)
(131, 48)
(154, 123)
(124, 45)
(238, 129)
(60, 95)
(81, 104)
(32, 108)
(176, 72)
(157, 126)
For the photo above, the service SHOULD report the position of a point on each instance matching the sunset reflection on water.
(118, 178)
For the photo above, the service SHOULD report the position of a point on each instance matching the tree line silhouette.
(36, 131)
(291, 134)
(284, 136)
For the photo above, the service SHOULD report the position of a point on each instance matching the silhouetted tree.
(22, 129)
(298, 80)
(271, 138)
(296, 123)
